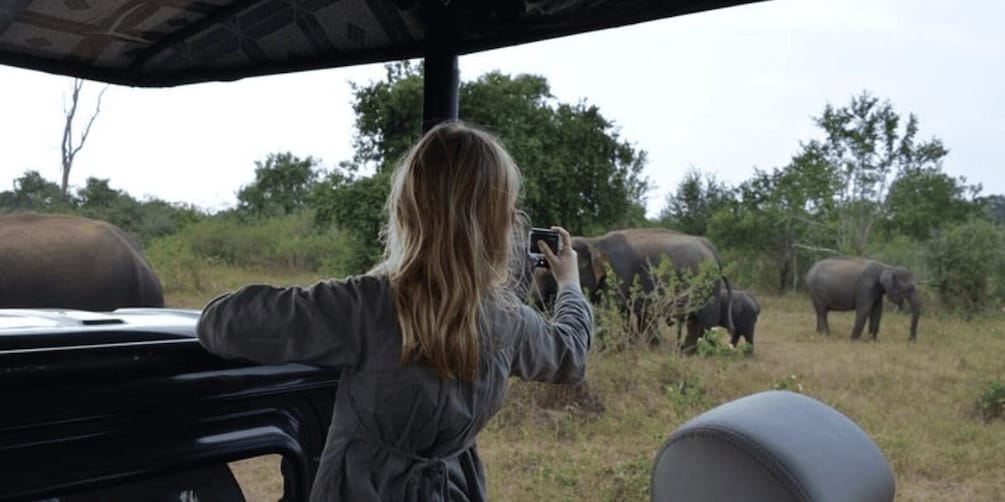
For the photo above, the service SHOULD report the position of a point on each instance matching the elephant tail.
(729, 307)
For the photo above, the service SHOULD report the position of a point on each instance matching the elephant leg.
(862, 312)
(694, 332)
(874, 317)
(821, 311)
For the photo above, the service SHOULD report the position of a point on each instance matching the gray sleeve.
(554, 350)
(319, 324)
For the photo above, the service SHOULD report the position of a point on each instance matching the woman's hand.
(564, 265)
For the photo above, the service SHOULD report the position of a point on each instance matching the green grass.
(920, 402)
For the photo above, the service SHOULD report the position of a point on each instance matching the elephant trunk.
(915, 301)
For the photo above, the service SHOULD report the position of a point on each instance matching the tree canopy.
(578, 172)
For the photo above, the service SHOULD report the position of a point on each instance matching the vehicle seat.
(774, 446)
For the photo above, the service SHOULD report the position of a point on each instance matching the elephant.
(72, 262)
(859, 284)
(630, 253)
(744, 310)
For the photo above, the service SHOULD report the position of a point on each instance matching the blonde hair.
(451, 216)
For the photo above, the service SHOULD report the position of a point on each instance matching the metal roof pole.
(440, 85)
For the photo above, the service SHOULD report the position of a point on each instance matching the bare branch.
(815, 248)
(90, 122)
(68, 149)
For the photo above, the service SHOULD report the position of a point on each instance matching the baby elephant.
(745, 312)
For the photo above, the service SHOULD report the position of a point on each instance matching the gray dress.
(398, 431)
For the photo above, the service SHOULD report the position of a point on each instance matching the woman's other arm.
(316, 324)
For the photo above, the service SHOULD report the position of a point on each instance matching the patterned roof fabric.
(158, 43)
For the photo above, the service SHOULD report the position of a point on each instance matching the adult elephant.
(62, 261)
(742, 310)
(859, 284)
(632, 253)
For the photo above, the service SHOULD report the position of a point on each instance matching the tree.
(994, 208)
(97, 199)
(782, 213)
(691, 206)
(968, 262)
(922, 200)
(32, 192)
(867, 150)
(68, 149)
(282, 186)
(577, 170)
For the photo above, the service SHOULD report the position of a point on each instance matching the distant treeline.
(869, 187)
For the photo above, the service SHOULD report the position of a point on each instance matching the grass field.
(917, 401)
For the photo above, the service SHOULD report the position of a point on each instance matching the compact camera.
(550, 237)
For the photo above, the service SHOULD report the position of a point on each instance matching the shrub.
(904, 252)
(290, 243)
(990, 402)
(714, 344)
(636, 318)
(966, 263)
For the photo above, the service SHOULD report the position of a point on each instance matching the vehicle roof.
(160, 44)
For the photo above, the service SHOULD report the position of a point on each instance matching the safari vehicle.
(126, 405)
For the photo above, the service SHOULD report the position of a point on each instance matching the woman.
(428, 339)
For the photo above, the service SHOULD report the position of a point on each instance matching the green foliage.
(355, 205)
(289, 242)
(921, 200)
(868, 150)
(715, 343)
(686, 394)
(145, 219)
(994, 208)
(388, 117)
(903, 251)
(783, 214)
(990, 403)
(32, 192)
(968, 265)
(577, 170)
(869, 171)
(691, 206)
(633, 315)
(282, 186)
(755, 269)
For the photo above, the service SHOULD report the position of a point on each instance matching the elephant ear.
(599, 262)
(886, 280)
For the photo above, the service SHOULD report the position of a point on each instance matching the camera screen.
(549, 236)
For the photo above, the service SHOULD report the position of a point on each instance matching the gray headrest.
(772, 446)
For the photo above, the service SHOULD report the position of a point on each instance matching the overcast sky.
(723, 91)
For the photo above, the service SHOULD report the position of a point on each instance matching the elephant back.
(64, 261)
(632, 250)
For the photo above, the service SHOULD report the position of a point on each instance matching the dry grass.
(182, 291)
(916, 401)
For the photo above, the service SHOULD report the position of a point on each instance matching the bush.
(288, 243)
(755, 270)
(637, 318)
(990, 402)
(903, 251)
(967, 265)
(714, 343)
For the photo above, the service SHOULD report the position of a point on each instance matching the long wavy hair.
(449, 243)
